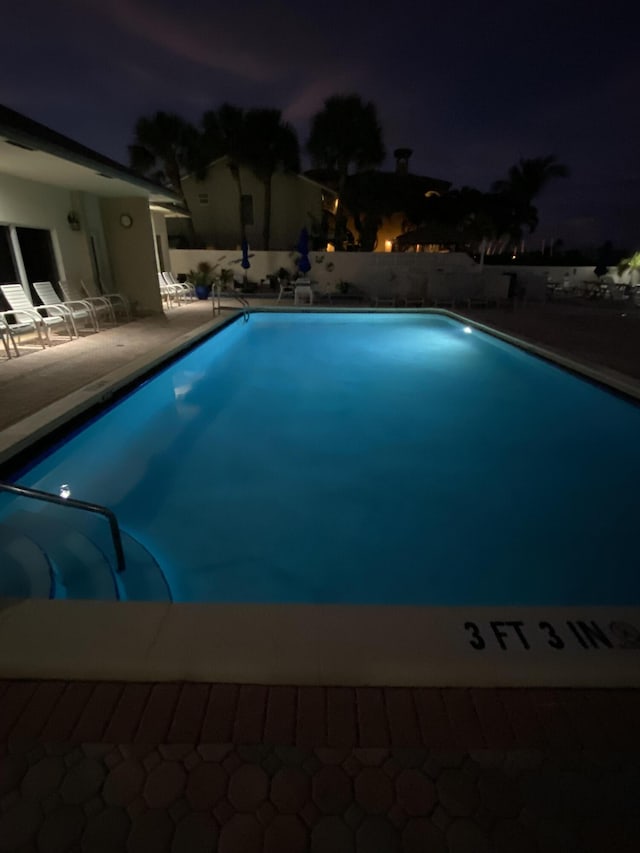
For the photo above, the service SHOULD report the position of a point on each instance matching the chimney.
(402, 160)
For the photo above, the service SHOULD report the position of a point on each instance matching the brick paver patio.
(242, 768)
(111, 767)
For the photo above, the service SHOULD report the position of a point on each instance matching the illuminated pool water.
(367, 458)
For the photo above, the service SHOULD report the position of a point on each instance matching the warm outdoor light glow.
(65, 491)
(388, 245)
(330, 247)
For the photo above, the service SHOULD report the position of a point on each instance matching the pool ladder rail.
(74, 557)
(49, 497)
(231, 293)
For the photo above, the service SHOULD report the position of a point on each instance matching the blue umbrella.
(244, 263)
(304, 265)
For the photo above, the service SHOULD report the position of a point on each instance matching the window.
(247, 209)
(203, 198)
(8, 271)
(39, 261)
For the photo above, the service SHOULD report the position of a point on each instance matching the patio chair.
(187, 288)
(118, 301)
(27, 314)
(99, 305)
(286, 287)
(77, 309)
(169, 292)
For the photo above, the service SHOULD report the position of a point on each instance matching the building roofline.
(24, 132)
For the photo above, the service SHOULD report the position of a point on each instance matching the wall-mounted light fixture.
(73, 220)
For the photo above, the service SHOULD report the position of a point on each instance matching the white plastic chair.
(117, 301)
(186, 287)
(77, 309)
(26, 313)
(97, 305)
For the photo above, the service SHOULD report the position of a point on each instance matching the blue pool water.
(368, 458)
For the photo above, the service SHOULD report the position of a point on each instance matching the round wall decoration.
(126, 221)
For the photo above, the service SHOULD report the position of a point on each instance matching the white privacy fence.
(436, 277)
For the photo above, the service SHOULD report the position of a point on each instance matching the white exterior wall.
(132, 252)
(371, 272)
(33, 205)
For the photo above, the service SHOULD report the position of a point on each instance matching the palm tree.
(269, 145)
(224, 134)
(524, 182)
(345, 132)
(164, 146)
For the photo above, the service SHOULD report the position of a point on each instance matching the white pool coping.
(311, 644)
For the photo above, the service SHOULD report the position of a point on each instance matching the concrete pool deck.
(181, 766)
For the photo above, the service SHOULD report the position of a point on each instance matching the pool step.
(80, 568)
(25, 570)
(79, 560)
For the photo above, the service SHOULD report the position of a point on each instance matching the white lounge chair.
(170, 293)
(118, 302)
(99, 306)
(26, 313)
(186, 287)
(77, 309)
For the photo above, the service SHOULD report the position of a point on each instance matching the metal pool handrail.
(244, 302)
(48, 497)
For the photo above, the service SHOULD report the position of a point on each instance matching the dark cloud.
(470, 87)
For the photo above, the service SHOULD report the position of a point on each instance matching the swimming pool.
(361, 458)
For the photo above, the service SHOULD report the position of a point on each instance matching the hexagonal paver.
(465, 836)
(286, 832)
(416, 793)
(195, 833)
(109, 828)
(12, 769)
(498, 794)
(242, 834)
(164, 784)
(420, 835)
(61, 829)
(331, 788)
(510, 835)
(82, 781)
(377, 835)
(152, 830)
(457, 792)
(374, 790)
(248, 787)
(332, 835)
(207, 783)
(290, 790)
(124, 783)
(19, 825)
(43, 778)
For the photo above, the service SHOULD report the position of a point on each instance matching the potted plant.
(226, 278)
(202, 279)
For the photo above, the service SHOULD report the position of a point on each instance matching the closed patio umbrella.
(304, 264)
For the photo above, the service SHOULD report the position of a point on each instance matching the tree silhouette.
(523, 183)
(269, 145)
(345, 133)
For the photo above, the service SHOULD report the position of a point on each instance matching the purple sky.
(470, 86)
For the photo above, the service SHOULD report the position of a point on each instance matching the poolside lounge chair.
(99, 305)
(169, 292)
(118, 301)
(77, 309)
(186, 287)
(26, 313)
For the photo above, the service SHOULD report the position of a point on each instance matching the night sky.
(471, 87)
